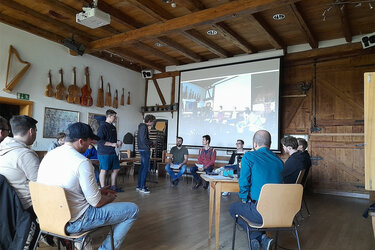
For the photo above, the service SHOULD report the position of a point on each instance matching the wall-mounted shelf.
(160, 108)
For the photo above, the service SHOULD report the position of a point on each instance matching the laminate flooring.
(177, 218)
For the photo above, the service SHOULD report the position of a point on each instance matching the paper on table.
(199, 165)
(219, 177)
(175, 166)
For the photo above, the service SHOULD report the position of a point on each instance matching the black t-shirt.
(107, 133)
(295, 163)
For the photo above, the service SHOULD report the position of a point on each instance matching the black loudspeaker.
(147, 73)
(368, 40)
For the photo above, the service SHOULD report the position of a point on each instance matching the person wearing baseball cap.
(66, 167)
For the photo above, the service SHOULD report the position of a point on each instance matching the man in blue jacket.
(144, 144)
(258, 167)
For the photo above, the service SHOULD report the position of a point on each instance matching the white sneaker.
(87, 246)
(225, 194)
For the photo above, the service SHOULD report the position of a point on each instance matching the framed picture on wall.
(57, 120)
(94, 121)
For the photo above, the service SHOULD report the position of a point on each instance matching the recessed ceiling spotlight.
(211, 32)
(158, 45)
(278, 17)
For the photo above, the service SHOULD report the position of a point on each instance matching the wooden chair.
(51, 207)
(278, 204)
(300, 176)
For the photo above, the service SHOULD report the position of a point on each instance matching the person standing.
(296, 161)
(206, 161)
(90, 207)
(258, 167)
(4, 128)
(144, 145)
(108, 159)
(179, 160)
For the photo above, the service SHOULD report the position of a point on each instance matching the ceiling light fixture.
(158, 44)
(211, 32)
(340, 3)
(278, 17)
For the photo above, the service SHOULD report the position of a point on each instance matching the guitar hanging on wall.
(9, 86)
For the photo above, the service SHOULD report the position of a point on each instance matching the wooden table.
(218, 186)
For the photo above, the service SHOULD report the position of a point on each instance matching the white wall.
(45, 55)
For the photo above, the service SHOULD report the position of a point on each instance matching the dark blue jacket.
(144, 142)
(107, 133)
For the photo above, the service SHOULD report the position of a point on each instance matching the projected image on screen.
(229, 103)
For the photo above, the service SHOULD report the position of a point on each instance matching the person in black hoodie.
(144, 144)
(302, 146)
(296, 161)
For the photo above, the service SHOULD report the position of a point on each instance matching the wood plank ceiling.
(151, 34)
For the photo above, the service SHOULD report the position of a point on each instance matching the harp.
(10, 84)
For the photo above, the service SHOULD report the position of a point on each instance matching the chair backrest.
(51, 207)
(124, 154)
(279, 203)
(300, 176)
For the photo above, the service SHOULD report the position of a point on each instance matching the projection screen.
(230, 102)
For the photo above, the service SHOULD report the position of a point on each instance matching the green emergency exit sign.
(23, 96)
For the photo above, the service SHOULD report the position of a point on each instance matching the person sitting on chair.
(4, 128)
(235, 159)
(296, 161)
(179, 160)
(90, 207)
(258, 167)
(206, 161)
(302, 146)
(60, 139)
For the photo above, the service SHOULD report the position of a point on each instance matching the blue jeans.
(145, 166)
(250, 212)
(172, 174)
(194, 170)
(119, 214)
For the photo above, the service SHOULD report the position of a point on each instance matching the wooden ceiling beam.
(136, 58)
(207, 16)
(71, 12)
(180, 48)
(31, 28)
(123, 18)
(229, 34)
(191, 5)
(262, 27)
(198, 38)
(156, 52)
(64, 28)
(303, 26)
(152, 9)
(344, 22)
(117, 61)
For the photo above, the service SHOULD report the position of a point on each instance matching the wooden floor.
(177, 218)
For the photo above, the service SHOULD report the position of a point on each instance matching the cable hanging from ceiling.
(369, 3)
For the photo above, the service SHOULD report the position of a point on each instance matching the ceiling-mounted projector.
(93, 17)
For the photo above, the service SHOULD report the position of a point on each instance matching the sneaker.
(225, 194)
(175, 182)
(267, 243)
(138, 188)
(145, 190)
(255, 244)
(116, 189)
(197, 185)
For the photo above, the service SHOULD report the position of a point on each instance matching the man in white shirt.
(90, 207)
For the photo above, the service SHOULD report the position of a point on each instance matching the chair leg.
(307, 208)
(248, 237)
(112, 242)
(276, 239)
(234, 232)
(295, 231)
(37, 239)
